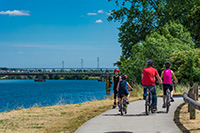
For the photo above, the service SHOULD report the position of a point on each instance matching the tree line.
(160, 30)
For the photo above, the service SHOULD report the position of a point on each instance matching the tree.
(187, 12)
(158, 46)
(140, 17)
(186, 64)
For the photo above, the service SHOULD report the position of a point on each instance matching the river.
(15, 94)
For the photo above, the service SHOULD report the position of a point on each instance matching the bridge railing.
(191, 97)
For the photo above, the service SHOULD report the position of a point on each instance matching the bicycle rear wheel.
(121, 107)
(125, 106)
(167, 102)
(147, 105)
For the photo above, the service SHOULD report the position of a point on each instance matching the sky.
(43, 33)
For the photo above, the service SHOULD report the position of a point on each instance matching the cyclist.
(148, 82)
(167, 81)
(122, 89)
(116, 80)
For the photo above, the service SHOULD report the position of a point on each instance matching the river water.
(27, 93)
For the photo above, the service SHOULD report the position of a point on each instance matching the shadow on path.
(177, 119)
(125, 115)
(119, 132)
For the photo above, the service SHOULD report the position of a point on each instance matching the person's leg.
(119, 99)
(145, 92)
(127, 97)
(115, 96)
(171, 92)
(164, 94)
(154, 97)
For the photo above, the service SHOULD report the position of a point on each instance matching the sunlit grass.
(60, 118)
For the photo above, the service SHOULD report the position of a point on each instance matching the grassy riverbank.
(60, 118)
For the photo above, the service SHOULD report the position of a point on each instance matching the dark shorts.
(123, 93)
(115, 93)
(166, 86)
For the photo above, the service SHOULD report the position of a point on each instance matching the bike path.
(135, 121)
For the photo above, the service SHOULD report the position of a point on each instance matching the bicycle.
(168, 100)
(123, 106)
(148, 103)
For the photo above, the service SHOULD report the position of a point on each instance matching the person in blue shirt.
(122, 89)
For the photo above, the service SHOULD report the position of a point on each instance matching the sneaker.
(127, 102)
(114, 105)
(144, 97)
(155, 109)
(172, 99)
(164, 106)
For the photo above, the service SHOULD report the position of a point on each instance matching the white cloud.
(15, 13)
(99, 21)
(20, 52)
(100, 11)
(91, 14)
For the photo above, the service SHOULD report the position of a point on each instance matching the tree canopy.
(158, 46)
(140, 17)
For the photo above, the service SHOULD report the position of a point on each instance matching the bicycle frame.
(123, 106)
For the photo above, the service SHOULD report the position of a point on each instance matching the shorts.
(115, 93)
(122, 93)
(166, 86)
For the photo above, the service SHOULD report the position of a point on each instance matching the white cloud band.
(15, 13)
(91, 14)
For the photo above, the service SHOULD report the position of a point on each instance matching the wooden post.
(192, 109)
(189, 95)
(196, 91)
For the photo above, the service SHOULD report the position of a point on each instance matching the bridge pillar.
(40, 79)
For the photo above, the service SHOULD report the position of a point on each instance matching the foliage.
(186, 64)
(158, 46)
(140, 17)
(187, 12)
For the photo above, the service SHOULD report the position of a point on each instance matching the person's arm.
(159, 79)
(162, 75)
(118, 87)
(120, 79)
(129, 86)
(176, 81)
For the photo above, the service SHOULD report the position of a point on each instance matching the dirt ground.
(182, 119)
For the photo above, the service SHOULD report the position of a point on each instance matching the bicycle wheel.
(167, 102)
(150, 103)
(121, 107)
(147, 105)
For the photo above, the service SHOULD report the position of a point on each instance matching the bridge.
(39, 72)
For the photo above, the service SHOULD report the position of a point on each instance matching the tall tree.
(158, 46)
(139, 17)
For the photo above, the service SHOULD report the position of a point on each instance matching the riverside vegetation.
(62, 118)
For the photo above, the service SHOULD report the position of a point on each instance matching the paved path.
(135, 121)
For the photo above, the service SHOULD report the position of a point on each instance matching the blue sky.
(42, 33)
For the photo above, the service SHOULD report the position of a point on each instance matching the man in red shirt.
(148, 82)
